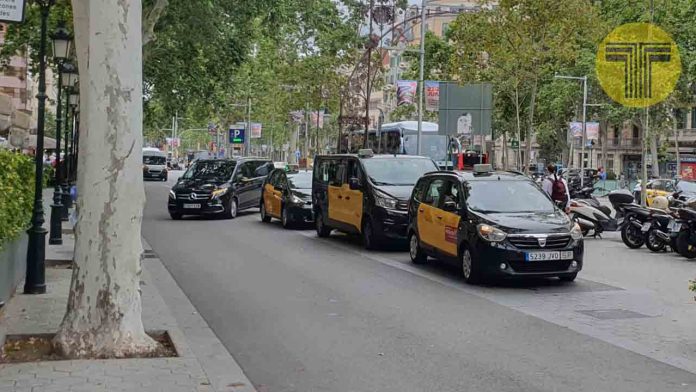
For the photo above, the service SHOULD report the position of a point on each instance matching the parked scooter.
(599, 218)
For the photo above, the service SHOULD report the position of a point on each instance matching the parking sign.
(237, 135)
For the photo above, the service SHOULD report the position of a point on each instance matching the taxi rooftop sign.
(12, 11)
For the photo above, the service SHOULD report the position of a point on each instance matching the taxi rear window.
(507, 197)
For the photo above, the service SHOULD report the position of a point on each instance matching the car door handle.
(439, 217)
(421, 210)
(340, 197)
(347, 197)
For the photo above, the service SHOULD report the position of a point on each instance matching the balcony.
(633, 142)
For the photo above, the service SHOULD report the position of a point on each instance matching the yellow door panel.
(268, 198)
(276, 200)
(352, 207)
(335, 203)
(447, 226)
(426, 226)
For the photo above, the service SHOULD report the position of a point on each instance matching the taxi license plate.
(548, 256)
(192, 206)
(646, 227)
(674, 226)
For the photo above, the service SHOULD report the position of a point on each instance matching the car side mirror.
(450, 206)
(354, 184)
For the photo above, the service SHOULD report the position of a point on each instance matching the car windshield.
(507, 196)
(687, 186)
(211, 170)
(154, 160)
(301, 180)
(399, 171)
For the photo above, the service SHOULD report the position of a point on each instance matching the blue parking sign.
(236, 135)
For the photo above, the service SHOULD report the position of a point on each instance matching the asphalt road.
(306, 314)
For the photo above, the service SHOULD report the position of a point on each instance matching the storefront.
(688, 167)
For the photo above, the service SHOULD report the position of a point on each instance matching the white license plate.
(646, 227)
(674, 226)
(192, 206)
(548, 256)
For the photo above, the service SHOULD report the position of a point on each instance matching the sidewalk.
(203, 365)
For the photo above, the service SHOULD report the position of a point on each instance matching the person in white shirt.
(547, 185)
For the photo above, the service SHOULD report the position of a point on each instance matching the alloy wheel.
(466, 263)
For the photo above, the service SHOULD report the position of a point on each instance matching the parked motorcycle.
(656, 229)
(684, 230)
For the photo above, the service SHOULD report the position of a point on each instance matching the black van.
(219, 187)
(365, 194)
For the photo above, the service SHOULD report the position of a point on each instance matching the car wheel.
(322, 230)
(231, 211)
(653, 243)
(264, 216)
(684, 247)
(470, 267)
(369, 236)
(284, 218)
(568, 278)
(175, 215)
(415, 251)
(631, 236)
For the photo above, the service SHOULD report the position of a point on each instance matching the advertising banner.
(406, 92)
(317, 118)
(432, 96)
(592, 130)
(256, 130)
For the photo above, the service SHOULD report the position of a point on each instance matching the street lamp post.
(69, 76)
(35, 282)
(61, 48)
(74, 101)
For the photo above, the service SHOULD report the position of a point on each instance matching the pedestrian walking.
(557, 188)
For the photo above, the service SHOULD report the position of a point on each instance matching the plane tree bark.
(103, 317)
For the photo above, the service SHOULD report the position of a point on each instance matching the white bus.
(402, 138)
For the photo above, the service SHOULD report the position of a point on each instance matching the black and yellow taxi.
(287, 195)
(492, 224)
(365, 194)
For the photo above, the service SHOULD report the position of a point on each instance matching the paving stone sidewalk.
(203, 365)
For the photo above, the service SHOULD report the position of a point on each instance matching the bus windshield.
(433, 146)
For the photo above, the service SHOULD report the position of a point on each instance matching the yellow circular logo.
(638, 65)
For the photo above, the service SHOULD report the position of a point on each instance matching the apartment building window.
(693, 118)
(445, 29)
(681, 115)
(610, 163)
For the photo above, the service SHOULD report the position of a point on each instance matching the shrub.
(16, 194)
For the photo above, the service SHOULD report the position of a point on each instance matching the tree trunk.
(505, 151)
(653, 152)
(103, 317)
(604, 139)
(518, 160)
(676, 139)
(530, 132)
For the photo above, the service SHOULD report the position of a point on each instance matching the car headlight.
(576, 232)
(296, 200)
(219, 192)
(385, 201)
(490, 233)
(172, 195)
